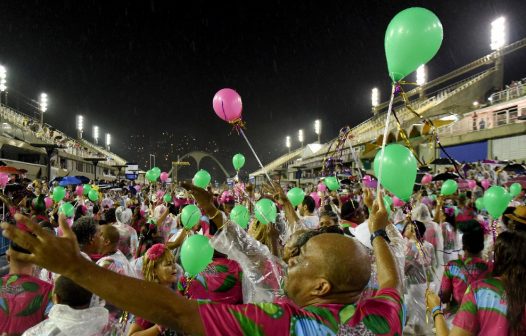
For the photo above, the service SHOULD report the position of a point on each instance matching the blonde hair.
(149, 265)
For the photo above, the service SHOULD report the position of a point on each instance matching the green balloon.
(196, 254)
(85, 189)
(190, 216)
(398, 170)
(296, 196)
(449, 187)
(58, 193)
(167, 198)
(496, 200)
(412, 38)
(238, 161)
(93, 195)
(388, 203)
(332, 183)
(479, 203)
(515, 189)
(202, 179)
(240, 216)
(151, 176)
(265, 211)
(67, 209)
(156, 170)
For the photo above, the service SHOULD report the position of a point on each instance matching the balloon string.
(255, 155)
(355, 159)
(384, 140)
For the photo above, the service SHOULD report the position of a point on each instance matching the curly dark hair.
(85, 229)
(510, 263)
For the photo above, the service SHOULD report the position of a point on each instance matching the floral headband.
(155, 252)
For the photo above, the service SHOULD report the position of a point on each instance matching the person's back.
(71, 314)
(460, 273)
(24, 299)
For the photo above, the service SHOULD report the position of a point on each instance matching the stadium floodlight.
(3, 78)
(421, 75)
(96, 134)
(317, 128)
(375, 97)
(43, 102)
(80, 123)
(498, 33)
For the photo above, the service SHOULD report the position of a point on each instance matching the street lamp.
(421, 75)
(3, 81)
(80, 126)
(287, 142)
(96, 134)
(108, 141)
(498, 33)
(317, 128)
(300, 137)
(43, 107)
(375, 97)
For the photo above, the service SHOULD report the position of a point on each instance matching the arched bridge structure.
(200, 155)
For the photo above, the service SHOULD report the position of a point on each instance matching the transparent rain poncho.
(263, 273)
(397, 246)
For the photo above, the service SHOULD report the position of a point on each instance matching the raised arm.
(388, 275)
(146, 299)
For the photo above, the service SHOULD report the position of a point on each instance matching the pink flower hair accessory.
(156, 251)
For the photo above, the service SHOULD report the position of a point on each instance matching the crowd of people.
(342, 262)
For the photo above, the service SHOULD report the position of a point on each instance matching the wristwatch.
(380, 233)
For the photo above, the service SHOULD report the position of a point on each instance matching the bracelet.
(380, 233)
(439, 313)
(435, 309)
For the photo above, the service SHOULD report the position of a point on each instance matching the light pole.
(498, 40)
(498, 33)
(287, 142)
(317, 128)
(375, 98)
(108, 141)
(80, 126)
(300, 137)
(3, 83)
(96, 134)
(43, 107)
(421, 77)
(152, 155)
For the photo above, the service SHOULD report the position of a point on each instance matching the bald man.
(326, 277)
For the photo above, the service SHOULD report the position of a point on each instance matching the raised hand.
(377, 214)
(203, 197)
(57, 254)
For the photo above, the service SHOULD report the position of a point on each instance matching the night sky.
(154, 66)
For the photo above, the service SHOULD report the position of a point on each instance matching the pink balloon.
(79, 190)
(367, 178)
(227, 105)
(164, 176)
(137, 187)
(4, 178)
(397, 202)
(48, 202)
(485, 184)
(159, 194)
(427, 178)
(316, 198)
(472, 184)
(322, 187)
